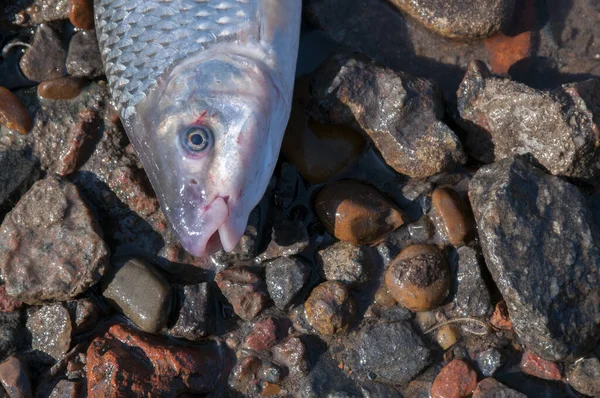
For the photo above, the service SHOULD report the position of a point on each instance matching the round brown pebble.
(447, 336)
(62, 88)
(330, 308)
(454, 215)
(455, 380)
(419, 277)
(357, 213)
(81, 14)
(13, 114)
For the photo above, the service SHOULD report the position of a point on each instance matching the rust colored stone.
(454, 214)
(455, 380)
(79, 148)
(125, 363)
(81, 14)
(505, 51)
(357, 213)
(419, 277)
(270, 390)
(13, 114)
(61, 88)
(539, 367)
(246, 292)
(264, 335)
(330, 308)
(500, 318)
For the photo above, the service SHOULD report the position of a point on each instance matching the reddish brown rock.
(61, 88)
(455, 380)
(81, 14)
(264, 334)
(125, 363)
(491, 388)
(539, 367)
(357, 213)
(13, 114)
(246, 292)
(80, 144)
(243, 375)
(330, 308)
(270, 390)
(15, 378)
(454, 215)
(292, 353)
(51, 245)
(67, 389)
(501, 318)
(505, 51)
(419, 277)
(7, 303)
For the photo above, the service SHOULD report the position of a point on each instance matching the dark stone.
(45, 59)
(85, 314)
(402, 114)
(83, 58)
(289, 237)
(393, 351)
(15, 377)
(538, 246)
(489, 361)
(67, 389)
(50, 328)
(11, 333)
(18, 174)
(472, 295)
(491, 388)
(196, 318)
(286, 276)
(585, 377)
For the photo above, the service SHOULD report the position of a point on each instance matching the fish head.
(213, 132)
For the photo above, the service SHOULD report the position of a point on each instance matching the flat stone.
(330, 308)
(538, 246)
(13, 114)
(45, 59)
(455, 380)
(246, 292)
(51, 329)
(489, 361)
(346, 263)
(491, 388)
(472, 296)
(286, 277)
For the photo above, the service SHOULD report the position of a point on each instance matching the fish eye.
(196, 139)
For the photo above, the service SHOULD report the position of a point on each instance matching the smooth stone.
(13, 114)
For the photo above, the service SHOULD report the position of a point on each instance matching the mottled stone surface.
(11, 333)
(244, 289)
(489, 361)
(491, 388)
(15, 377)
(13, 114)
(18, 174)
(83, 58)
(196, 317)
(330, 308)
(455, 380)
(585, 377)
(538, 246)
(50, 328)
(46, 58)
(472, 296)
(400, 113)
(285, 277)
(345, 262)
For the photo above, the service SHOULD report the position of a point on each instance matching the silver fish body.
(204, 91)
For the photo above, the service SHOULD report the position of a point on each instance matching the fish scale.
(140, 39)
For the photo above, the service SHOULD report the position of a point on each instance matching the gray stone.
(285, 277)
(472, 295)
(83, 58)
(50, 328)
(491, 388)
(538, 246)
(585, 377)
(45, 59)
(18, 174)
(11, 333)
(196, 318)
(345, 262)
(489, 361)
(289, 237)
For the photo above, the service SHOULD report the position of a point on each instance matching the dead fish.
(204, 90)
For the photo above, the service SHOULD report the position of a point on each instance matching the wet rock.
(330, 308)
(539, 367)
(456, 380)
(504, 118)
(51, 246)
(50, 328)
(196, 318)
(270, 372)
(48, 10)
(472, 295)
(554, 296)
(245, 290)
(491, 388)
(67, 389)
(357, 213)
(13, 114)
(401, 114)
(286, 277)
(125, 362)
(489, 361)
(292, 353)
(457, 19)
(447, 336)
(62, 88)
(500, 318)
(506, 51)
(419, 277)
(85, 314)
(264, 334)
(11, 333)
(393, 351)
(244, 374)
(345, 262)
(270, 390)
(140, 293)
(421, 230)
(15, 378)
(45, 59)
(452, 215)
(83, 58)
(81, 14)
(18, 174)
(288, 237)
(585, 377)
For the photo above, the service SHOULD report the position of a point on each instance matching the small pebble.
(454, 215)
(447, 336)
(51, 329)
(500, 318)
(419, 277)
(61, 88)
(421, 230)
(264, 335)
(83, 58)
(245, 371)
(270, 372)
(383, 297)
(585, 377)
(13, 114)
(140, 293)
(245, 290)
(270, 390)
(506, 51)
(45, 59)
(81, 14)
(345, 262)
(535, 366)
(15, 378)
(286, 277)
(85, 314)
(330, 308)
(491, 388)
(196, 318)
(289, 237)
(292, 353)
(489, 361)
(357, 213)
(455, 380)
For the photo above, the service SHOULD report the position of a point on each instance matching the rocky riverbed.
(431, 229)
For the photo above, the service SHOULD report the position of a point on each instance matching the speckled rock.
(292, 353)
(125, 362)
(504, 118)
(244, 374)
(393, 351)
(446, 336)
(11, 333)
(330, 308)
(140, 293)
(15, 378)
(7, 303)
(288, 237)
(500, 319)
(83, 58)
(489, 361)
(50, 328)
(196, 318)
(452, 216)
(246, 292)
(539, 367)
(19, 173)
(585, 377)
(265, 334)
(400, 113)
(51, 246)
(472, 296)
(67, 389)
(356, 212)
(345, 262)
(13, 114)
(555, 310)
(85, 314)
(455, 380)
(491, 388)
(286, 277)
(457, 19)
(61, 88)
(45, 59)
(48, 10)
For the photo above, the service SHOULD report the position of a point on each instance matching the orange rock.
(454, 214)
(539, 367)
(81, 14)
(455, 380)
(330, 308)
(500, 318)
(270, 390)
(505, 51)
(12, 114)
(61, 88)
